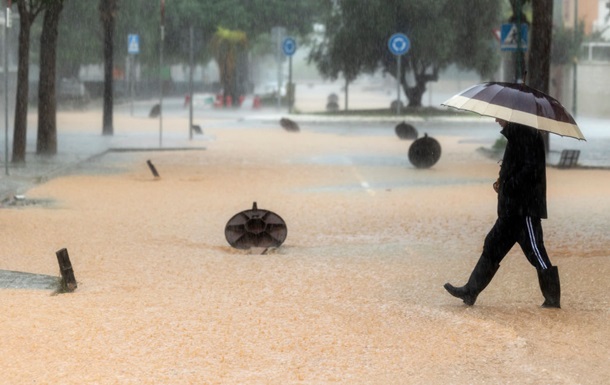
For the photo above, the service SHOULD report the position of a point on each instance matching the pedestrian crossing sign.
(133, 44)
(509, 40)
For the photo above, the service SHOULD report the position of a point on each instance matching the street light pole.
(191, 60)
(7, 25)
(161, 73)
(575, 64)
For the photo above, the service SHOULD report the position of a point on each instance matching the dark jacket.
(522, 184)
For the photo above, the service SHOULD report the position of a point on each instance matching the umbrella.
(517, 103)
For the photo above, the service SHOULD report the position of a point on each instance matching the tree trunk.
(540, 51)
(23, 88)
(422, 77)
(47, 102)
(107, 9)
(539, 63)
(415, 93)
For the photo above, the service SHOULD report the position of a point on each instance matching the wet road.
(594, 151)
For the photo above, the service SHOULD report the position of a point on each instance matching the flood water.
(355, 293)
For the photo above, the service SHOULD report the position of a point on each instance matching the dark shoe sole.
(550, 305)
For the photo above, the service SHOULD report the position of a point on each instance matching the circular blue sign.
(399, 44)
(289, 46)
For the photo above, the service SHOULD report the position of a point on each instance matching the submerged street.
(353, 295)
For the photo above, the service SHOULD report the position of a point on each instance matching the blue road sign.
(399, 44)
(509, 40)
(133, 44)
(289, 46)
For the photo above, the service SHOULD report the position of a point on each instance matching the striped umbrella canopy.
(517, 103)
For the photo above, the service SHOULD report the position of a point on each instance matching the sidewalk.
(80, 139)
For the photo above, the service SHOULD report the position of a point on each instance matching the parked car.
(72, 92)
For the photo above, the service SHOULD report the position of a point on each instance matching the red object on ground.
(218, 102)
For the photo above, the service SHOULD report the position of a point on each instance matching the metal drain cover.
(255, 228)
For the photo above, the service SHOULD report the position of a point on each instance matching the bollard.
(405, 131)
(68, 282)
(289, 125)
(332, 103)
(395, 103)
(153, 169)
(255, 228)
(155, 111)
(424, 152)
(197, 129)
(256, 102)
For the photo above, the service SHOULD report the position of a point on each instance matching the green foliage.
(80, 40)
(566, 44)
(500, 144)
(441, 33)
(229, 47)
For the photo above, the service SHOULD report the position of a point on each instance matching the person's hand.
(497, 185)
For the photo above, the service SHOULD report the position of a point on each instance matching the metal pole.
(575, 64)
(289, 89)
(161, 74)
(398, 84)
(518, 70)
(279, 68)
(191, 82)
(346, 93)
(131, 59)
(7, 25)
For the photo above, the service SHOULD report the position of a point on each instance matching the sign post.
(277, 34)
(162, 38)
(7, 25)
(399, 45)
(289, 46)
(513, 37)
(509, 37)
(191, 60)
(133, 48)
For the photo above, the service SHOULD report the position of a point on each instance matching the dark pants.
(527, 231)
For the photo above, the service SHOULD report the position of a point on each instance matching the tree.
(46, 143)
(228, 46)
(80, 38)
(254, 18)
(28, 10)
(539, 62)
(565, 46)
(519, 17)
(108, 10)
(441, 33)
(336, 56)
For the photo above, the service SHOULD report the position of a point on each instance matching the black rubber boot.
(480, 277)
(550, 287)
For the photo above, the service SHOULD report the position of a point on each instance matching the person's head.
(501, 122)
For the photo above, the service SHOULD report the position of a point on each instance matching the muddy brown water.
(353, 296)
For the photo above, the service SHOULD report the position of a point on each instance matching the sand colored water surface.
(353, 296)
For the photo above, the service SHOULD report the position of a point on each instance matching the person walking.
(521, 189)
